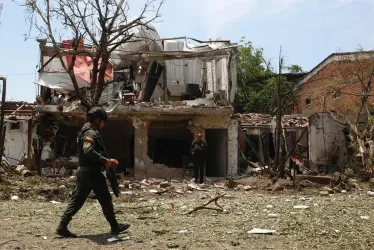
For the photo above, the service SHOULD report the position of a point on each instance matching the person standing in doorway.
(199, 151)
(91, 174)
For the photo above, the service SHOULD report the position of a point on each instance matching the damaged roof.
(18, 110)
(261, 120)
(253, 119)
(299, 122)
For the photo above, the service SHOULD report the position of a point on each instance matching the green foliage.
(252, 74)
(294, 68)
(265, 100)
(257, 82)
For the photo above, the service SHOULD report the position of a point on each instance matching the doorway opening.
(217, 155)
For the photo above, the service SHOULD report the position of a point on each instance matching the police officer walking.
(90, 176)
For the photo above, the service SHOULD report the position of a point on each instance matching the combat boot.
(63, 231)
(119, 228)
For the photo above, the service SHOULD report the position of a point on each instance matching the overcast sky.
(308, 30)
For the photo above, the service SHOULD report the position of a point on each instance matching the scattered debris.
(235, 243)
(179, 191)
(166, 206)
(161, 231)
(370, 193)
(127, 192)
(55, 202)
(146, 218)
(22, 170)
(139, 240)
(277, 187)
(329, 190)
(261, 231)
(14, 198)
(301, 207)
(324, 193)
(164, 184)
(134, 185)
(324, 180)
(273, 215)
(172, 245)
(113, 239)
(365, 217)
(195, 187)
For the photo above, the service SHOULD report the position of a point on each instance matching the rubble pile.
(299, 122)
(253, 119)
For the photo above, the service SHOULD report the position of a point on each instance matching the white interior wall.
(15, 145)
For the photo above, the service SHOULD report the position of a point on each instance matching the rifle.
(111, 175)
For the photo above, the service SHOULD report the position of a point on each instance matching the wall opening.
(169, 143)
(15, 125)
(66, 140)
(118, 138)
(217, 156)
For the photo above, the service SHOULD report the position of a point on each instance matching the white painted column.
(233, 145)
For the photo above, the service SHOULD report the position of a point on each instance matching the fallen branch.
(146, 218)
(8, 242)
(204, 206)
(145, 206)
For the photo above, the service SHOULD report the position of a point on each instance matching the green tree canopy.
(257, 82)
(294, 68)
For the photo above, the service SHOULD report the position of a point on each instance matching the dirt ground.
(339, 221)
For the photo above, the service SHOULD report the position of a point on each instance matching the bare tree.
(103, 24)
(354, 71)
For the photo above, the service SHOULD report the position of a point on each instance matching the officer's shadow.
(102, 239)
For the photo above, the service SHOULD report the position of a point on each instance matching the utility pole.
(2, 109)
(1, 8)
(279, 119)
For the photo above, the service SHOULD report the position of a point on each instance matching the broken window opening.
(66, 141)
(169, 143)
(15, 125)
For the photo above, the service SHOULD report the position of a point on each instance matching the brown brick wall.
(339, 76)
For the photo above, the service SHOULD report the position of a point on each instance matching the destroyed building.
(335, 85)
(18, 131)
(161, 94)
(257, 138)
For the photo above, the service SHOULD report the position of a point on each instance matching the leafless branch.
(104, 23)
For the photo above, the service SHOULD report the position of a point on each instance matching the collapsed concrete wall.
(327, 144)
